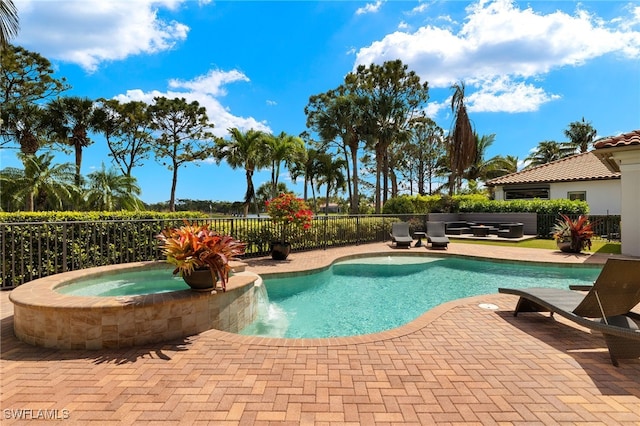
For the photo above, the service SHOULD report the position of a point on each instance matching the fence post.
(64, 247)
(324, 232)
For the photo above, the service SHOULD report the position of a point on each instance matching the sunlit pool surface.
(374, 294)
(126, 284)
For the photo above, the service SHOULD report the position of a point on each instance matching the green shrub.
(399, 205)
(6, 217)
(478, 203)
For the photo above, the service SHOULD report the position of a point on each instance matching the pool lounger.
(400, 234)
(605, 308)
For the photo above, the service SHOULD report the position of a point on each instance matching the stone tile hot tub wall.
(44, 317)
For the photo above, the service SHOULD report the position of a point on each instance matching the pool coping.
(411, 327)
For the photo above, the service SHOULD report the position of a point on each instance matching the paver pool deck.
(456, 364)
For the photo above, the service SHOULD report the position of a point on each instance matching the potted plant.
(201, 255)
(287, 212)
(573, 236)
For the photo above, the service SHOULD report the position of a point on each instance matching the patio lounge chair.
(605, 308)
(400, 234)
(436, 234)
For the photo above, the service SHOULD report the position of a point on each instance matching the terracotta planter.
(280, 251)
(200, 280)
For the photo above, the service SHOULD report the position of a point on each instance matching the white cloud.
(433, 108)
(369, 8)
(205, 89)
(504, 95)
(499, 42)
(88, 32)
(420, 8)
(211, 83)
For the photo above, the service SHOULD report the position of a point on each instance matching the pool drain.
(489, 306)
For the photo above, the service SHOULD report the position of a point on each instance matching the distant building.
(333, 208)
(579, 177)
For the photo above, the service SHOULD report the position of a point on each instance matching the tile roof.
(625, 139)
(580, 167)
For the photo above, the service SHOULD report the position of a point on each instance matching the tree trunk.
(346, 162)
(306, 181)
(394, 183)
(452, 183)
(421, 178)
(174, 184)
(30, 202)
(355, 196)
(385, 176)
(250, 194)
(378, 174)
(78, 149)
(326, 203)
(313, 195)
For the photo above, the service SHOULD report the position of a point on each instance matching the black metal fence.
(32, 250)
(605, 226)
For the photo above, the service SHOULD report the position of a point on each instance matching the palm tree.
(71, 119)
(546, 152)
(9, 24)
(265, 192)
(581, 135)
(309, 169)
(282, 148)
(29, 126)
(110, 191)
(501, 166)
(330, 174)
(479, 168)
(41, 185)
(462, 147)
(26, 80)
(243, 150)
(337, 116)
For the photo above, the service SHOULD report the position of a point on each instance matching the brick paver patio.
(458, 363)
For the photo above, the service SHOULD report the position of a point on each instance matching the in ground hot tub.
(43, 316)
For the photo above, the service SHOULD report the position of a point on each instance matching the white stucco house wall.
(622, 154)
(582, 176)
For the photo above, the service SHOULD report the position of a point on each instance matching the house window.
(526, 193)
(577, 195)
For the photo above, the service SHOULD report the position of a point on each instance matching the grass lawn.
(597, 245)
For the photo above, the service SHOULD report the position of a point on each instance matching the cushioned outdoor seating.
(512, 230)
(605, 308)
(400, 234)
(457, 228)
(436, 234)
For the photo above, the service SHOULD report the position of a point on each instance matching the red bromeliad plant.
(193, 247)
(289, 211)
(578, 233)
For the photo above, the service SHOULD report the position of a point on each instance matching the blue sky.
(530, 68)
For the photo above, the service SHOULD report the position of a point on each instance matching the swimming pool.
(373, 294)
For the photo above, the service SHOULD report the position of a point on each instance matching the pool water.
(126, 284)
(374, 294)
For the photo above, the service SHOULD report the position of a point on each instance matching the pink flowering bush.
(288, 211)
